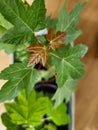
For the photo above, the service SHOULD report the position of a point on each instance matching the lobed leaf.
(65, 92)
(72, 35)
(67, 22)
(67, 63)
(19, 76)
(59, 114)
(26, 19)
(39, 53)
(55, 40)
(30, 112)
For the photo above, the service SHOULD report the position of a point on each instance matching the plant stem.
(51, 70)
(46, 119)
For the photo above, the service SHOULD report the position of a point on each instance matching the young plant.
(39, 40)
(33, 111)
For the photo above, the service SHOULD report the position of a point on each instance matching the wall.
(5, 60)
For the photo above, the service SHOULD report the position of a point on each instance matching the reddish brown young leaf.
(39, 53)
(56, 40)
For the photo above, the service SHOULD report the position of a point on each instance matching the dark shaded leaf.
(51, 22)
(7, 122)
(4, 23)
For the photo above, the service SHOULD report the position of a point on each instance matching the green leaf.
(20, 53)
(8, 48)
(2, 30)
(67, 63)
(18, 35)
(4, 23)
(4, 26)
(65, 92)
(59, 115)
(39, 14)
(51, 23)
(26, 19)
(30, 112)
(67, 22)
(49, 126)
(72, 35)
(6, 120)
(19, 76)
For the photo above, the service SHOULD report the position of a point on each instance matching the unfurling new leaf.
(39, 53)
(56, 40)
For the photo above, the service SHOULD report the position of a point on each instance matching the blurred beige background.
(86, 111)
(5, 60)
